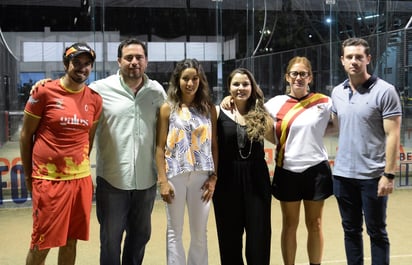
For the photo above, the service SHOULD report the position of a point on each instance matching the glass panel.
(260, 35)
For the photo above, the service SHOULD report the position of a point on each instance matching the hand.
(41, 82)
(166, 192)
(385, 186)
(227, 103)
(209, 188)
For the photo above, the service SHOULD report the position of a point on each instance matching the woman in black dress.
(242, 198)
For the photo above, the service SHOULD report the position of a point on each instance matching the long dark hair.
(256, 118)
(202, 101)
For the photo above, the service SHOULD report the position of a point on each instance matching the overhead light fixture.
(368, 17)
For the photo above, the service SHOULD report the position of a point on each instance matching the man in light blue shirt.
(368, 111)
(126, 172)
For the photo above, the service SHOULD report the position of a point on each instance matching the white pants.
(187, 187)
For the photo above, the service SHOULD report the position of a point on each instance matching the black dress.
(242, 198)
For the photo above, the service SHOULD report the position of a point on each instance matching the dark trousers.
(123, 211)
(242, 212)
(358, 198)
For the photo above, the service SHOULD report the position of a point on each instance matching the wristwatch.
(389, 175)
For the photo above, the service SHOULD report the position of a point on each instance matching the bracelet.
(213, 174)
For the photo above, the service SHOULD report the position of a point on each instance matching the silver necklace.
(241, 139)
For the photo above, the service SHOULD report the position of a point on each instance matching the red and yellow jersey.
(61, 144)
(299, 129)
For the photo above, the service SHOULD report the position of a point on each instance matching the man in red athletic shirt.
(60, 120)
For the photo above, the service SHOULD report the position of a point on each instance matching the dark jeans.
(358, 198)
(120, 211)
